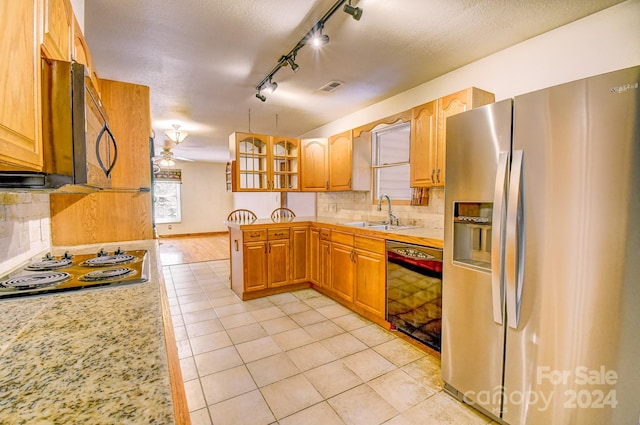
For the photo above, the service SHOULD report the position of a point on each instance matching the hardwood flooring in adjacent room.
(193, 248)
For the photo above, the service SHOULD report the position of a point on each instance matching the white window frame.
(378, 163)
(160, 216)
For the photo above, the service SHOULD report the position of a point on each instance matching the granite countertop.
(417, 235)
(93, 356)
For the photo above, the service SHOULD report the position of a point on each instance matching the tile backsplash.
(25, 227)
(357, 205)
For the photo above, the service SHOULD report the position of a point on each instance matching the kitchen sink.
(377, 225)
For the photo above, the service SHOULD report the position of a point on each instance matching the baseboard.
(184, 235)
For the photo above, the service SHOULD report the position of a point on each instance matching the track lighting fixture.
(356, 12)
(314, 36)
(318, 39)
(270, 86)
(294, 66)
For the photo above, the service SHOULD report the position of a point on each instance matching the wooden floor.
(193, 248)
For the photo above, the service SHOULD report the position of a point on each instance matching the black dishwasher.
(414, 291)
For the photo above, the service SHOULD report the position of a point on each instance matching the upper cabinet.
(340, 150)
(57, 22)
(20, 138)
(315, 165)
(428, 133)
(265, 162)
(285, 156)
(81, 54)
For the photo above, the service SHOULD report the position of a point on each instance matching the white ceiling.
(203, 59)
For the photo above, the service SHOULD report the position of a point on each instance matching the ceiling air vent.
(331, 86)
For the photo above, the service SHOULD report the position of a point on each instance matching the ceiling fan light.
(175, 135)
(167, 162)
(356, 12)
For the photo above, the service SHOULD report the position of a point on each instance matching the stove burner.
(107, 274)
(109, 260)
(36, 280)
(52, 264)
(49, 262)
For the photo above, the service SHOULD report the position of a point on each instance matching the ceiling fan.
(166, 159)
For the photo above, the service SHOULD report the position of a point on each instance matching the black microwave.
(79, 149)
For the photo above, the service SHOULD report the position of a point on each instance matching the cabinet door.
(370, 280)
(252, 156)
(56, 33)
(342, 269)
(299, 254)
(255, 266)
(315, 166)
(20, 140)
(314, 255)
(340, 161)
(423, 148)
(278, 263)
(285, 157)
(324, 271)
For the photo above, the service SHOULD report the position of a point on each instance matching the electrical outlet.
(333, 207)
(170, 227)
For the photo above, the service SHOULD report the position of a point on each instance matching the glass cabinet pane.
(252, 161)
(285, 163)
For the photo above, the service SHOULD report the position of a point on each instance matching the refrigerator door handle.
(497, 253)
(514, 246)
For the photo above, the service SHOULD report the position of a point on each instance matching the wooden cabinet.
(20, 138)
(340, 161)
(370, 275)
(57, 21)
(299, 254)
(314, 255)
(358, 271)
(109, 216)
(265, 162)
(254, 256)
(327, 165)
(314, 165)
(428, 133)
(81, 54)
(278, 257)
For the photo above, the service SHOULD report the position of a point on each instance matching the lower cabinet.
(370, 275)
(348, 267)
(358, 271)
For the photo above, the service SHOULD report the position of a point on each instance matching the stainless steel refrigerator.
(541, 266)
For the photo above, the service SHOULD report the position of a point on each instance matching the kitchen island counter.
(90, 356)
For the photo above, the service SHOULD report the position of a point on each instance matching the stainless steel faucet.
(391, 219)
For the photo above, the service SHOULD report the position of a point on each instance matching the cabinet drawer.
(255, 235)
(325, 234)
(278, 234)
(342, 237)
(370, 244)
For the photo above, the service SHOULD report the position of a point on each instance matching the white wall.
(205, 203)
(261, 203)
(603, 42)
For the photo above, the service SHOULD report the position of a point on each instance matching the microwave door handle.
(515, 238)
(497, 232)
(107, 171)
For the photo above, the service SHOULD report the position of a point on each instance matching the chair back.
(242, 216)
(282, 214)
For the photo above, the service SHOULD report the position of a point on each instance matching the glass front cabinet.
(265, 162)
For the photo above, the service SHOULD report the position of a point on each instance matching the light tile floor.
(297, 358)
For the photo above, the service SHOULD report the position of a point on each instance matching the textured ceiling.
(202, 59)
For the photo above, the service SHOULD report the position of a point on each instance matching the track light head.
(270, 86)
(356, 12)
(261, 97)
(294, 66)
